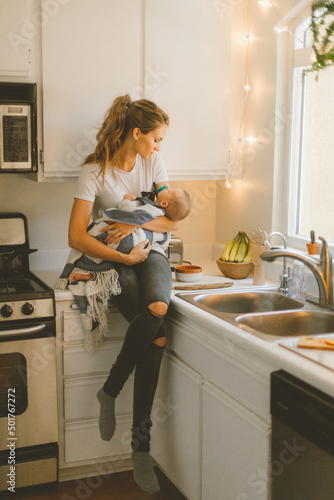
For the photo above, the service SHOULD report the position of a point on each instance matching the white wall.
(249, 204)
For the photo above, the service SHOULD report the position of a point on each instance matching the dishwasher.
(302, 443)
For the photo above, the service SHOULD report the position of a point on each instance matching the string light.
(247, 87)
(279, 28)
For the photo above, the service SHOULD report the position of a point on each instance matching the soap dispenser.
(297, 287)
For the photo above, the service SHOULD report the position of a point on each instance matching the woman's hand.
(118, 231)
(138, 253)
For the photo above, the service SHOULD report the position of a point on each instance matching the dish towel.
(94, 281)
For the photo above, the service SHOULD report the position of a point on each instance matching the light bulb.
(247, 87)
(313, 55)
(264, 3)
(228, 184)
(250, 140)
(248, 37)
(280, 28)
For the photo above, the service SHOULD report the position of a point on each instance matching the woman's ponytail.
(121, 118)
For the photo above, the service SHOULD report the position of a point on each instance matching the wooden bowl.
(235, 270)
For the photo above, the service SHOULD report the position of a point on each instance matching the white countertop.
(305, 364)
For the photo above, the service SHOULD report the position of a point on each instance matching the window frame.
(293, 59)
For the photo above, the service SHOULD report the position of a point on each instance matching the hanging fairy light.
(250, 140)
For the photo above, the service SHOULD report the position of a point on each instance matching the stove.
(28, 380)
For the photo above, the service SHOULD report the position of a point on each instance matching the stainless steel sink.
(267, 314)
(241, 302)
(289, 323)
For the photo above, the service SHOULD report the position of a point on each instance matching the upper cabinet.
(187, 61)
(176, 53)
(91, 53)
(15, 37)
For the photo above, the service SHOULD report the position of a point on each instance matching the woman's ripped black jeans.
(146, 283)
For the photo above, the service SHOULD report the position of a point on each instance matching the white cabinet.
(91, 52)
(187, 72)
(176, 431)
(80, 376)
(16, 32)
(235, 453)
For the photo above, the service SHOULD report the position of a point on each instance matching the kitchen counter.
(306, 364)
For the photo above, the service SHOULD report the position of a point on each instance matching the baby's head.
(175, 202)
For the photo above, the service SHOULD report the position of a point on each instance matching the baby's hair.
(179, 207)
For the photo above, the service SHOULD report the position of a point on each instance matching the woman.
(127, 160)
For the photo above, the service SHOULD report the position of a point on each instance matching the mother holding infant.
(127, 160)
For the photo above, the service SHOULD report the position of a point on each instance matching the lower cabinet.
(80, 375)
(176, 417)
(235, 449)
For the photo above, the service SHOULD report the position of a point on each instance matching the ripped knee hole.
(158, 309)
(160, 341)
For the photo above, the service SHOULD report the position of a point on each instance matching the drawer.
(73, 326)
(83, 441)
(78, 361)
(81, 402)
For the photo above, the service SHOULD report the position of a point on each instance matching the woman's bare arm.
(84, 242)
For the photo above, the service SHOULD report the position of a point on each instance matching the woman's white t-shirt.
(118, 182)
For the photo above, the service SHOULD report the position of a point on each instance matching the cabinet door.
(235, 460)
(176, 431)
(92, 51)
(16, 32)
(187, 58)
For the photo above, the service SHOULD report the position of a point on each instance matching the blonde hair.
(121, 118)
(178, 207)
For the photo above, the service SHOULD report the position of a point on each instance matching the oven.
(28, 394)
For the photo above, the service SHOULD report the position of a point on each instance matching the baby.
(175, 202)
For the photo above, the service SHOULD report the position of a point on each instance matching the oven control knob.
(27, 309)
(6, 311)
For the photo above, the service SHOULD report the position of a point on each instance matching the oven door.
(28, 383)
(28, 405)
(15, 128)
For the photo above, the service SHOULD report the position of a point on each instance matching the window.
(311, 157)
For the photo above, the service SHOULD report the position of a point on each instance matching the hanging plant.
(322, 29)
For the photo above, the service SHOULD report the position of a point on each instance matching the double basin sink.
(264, 313)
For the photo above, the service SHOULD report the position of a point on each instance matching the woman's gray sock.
(143, 472)
(107, 421)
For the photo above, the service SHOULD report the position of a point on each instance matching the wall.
(249, 204)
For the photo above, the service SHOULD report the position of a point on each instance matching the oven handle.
(26, 332)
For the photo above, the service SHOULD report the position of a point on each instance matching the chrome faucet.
(323, 272)
(284, 278)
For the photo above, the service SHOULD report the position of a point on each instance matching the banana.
(242, 250)
(234, 250)
(248, 257)
(227, 250)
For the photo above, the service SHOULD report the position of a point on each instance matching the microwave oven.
(18, 127)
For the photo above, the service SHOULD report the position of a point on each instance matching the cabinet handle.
(74, 307)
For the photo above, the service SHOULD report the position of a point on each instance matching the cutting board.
(202, 287)
(204, 283)
(316, 343)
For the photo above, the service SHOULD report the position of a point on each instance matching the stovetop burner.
(15, 282)
(22, 284)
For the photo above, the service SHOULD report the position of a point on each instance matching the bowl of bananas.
(236, 259)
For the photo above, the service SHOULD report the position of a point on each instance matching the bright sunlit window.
(311, 162)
